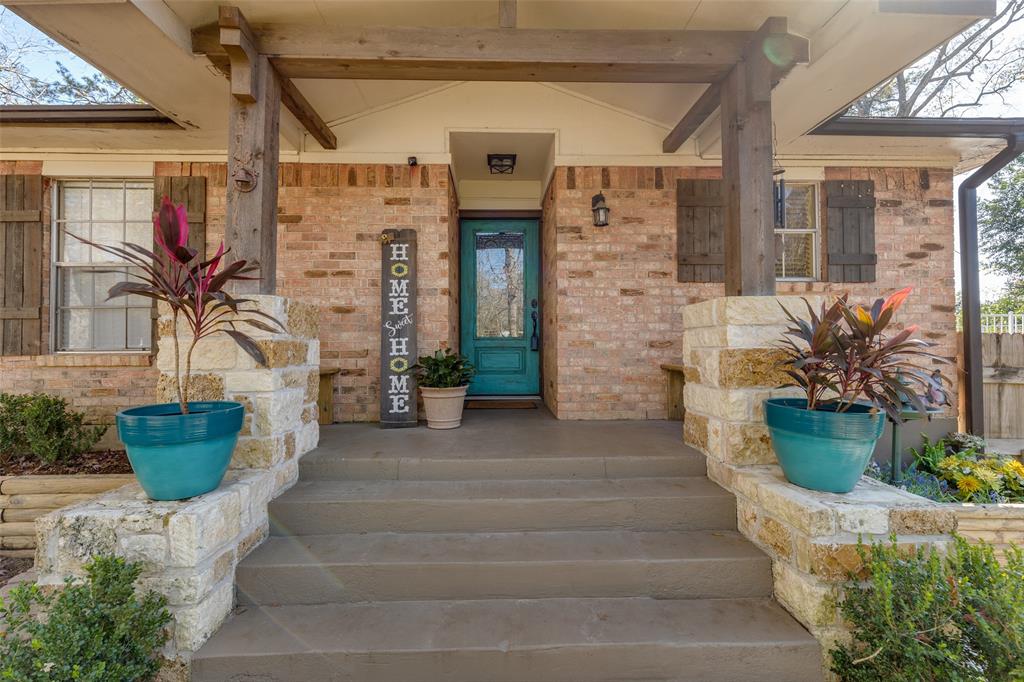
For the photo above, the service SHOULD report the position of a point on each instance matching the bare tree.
(970, 69)
(18, 85)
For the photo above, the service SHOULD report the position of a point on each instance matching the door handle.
(534, 338)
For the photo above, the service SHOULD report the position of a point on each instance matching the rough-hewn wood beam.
(698, 113)
(645, 56)
(237, 41)
(746, 118)
(507, 13)
(253, 159)
(300, 107)
(772, 46)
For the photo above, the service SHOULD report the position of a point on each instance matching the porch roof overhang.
(1012, 131)
(86, 115)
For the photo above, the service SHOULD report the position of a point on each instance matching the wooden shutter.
(191, 191)
(21, 260)
(700, 231)
(851, 230)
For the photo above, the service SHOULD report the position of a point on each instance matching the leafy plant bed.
(103, 462)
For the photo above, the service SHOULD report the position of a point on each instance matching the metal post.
(897, 460)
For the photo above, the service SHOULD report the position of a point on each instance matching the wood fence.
(1003, 356)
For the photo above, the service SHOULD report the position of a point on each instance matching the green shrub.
(42, 425)
(922, 617)
(96, 631)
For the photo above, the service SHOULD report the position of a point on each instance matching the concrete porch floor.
(504, 433)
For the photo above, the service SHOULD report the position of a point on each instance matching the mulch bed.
(104, 462)
(11, 566)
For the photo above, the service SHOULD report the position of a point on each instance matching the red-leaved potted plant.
(853, 373)
(183, 449)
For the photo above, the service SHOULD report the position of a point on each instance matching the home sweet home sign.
(398, 329)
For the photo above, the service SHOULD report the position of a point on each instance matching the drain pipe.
(970, 285)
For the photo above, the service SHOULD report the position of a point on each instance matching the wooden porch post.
(746, 115)
(253, 151)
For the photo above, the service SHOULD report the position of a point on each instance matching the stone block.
(257, 452)
(277, 412)
(812, 602)
(922, 520)
(747, 443)
(750, 368)
(776, 536)
(729, 404)
(763, 310)
(695, 430)
(303, 320)
(194, 624)
(203, 526)
(702, 314)
(284, 353)
(201, 387)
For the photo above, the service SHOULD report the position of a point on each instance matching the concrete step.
(509, 640)
(327, 464)
(319, 569)
(329, 507)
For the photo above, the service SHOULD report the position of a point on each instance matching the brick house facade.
(611, 302)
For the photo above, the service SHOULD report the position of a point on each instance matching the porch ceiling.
(147, 46)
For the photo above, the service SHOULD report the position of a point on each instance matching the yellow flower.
(949, 462)
(1012, 466)
(968, 485)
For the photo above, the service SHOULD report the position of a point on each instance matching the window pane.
(74, 329)
(74, 201)
(139, 233)
(139, 202)
(798, 255)
(109, 333)
(800, 209)
(76, 287)
(103, 282)
(108, 234)
(72, 249)
(499, 285)
(107, 201)
(140, 327)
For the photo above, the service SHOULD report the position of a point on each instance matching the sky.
(44, 65)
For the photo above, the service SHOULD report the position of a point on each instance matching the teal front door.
(500, 306)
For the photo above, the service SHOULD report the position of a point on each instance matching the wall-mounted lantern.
(501, 164)
(600, 209)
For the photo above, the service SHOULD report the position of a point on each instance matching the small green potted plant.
(182, 449)
(443, 379)
(853, 374)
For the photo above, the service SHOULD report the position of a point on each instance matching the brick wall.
(617, 313)
(330, 219)
(610, 297)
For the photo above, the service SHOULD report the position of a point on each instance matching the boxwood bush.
(43, 426)
(95, 631)
(922, 617)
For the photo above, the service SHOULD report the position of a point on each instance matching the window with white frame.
(108, 212)
(796, 246)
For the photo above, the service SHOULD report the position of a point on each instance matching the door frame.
(507, 214)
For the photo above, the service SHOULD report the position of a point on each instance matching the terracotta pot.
(443, 406)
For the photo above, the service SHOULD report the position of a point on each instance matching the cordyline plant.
(191, 288)
(842, 356)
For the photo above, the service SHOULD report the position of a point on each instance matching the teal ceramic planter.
(821, 449)
(176, 456)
